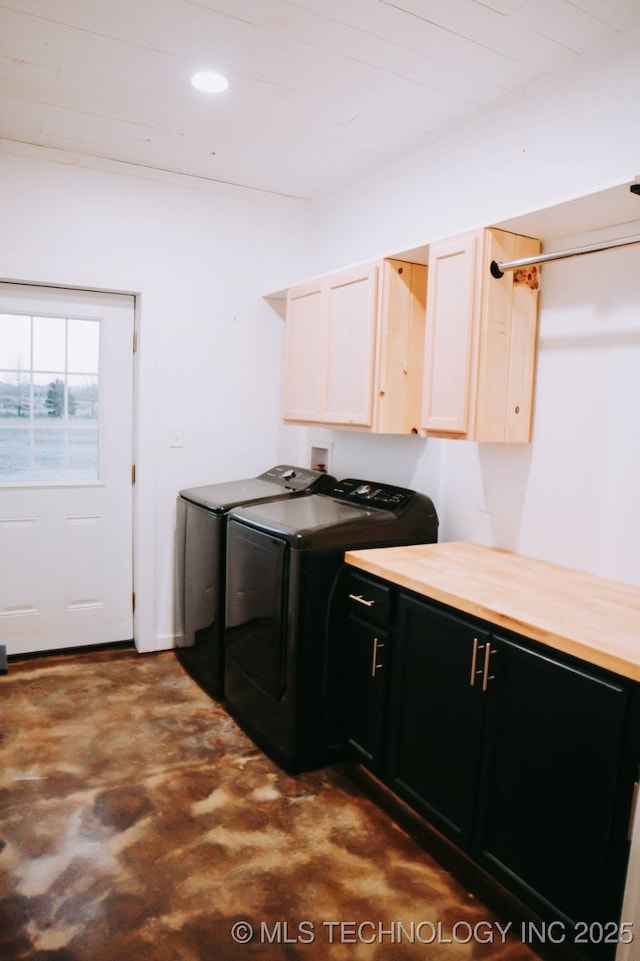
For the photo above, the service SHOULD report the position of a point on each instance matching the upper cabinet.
(354, 348)
(369, 348)
(480, 343)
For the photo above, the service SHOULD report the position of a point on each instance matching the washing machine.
(286, 610)
(201, 526)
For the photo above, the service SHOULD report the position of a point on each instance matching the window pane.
(49, 453)
(49, 335)
(15, 453)
(50, 390)
(14, 393)
(41, 384)
(82, 445)
(15, 342)
(83, 397)
(84, 342)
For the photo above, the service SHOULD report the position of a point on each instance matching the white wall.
(199, 257)
(570, 496)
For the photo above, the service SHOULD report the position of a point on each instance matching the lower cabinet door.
(367, 651)
(436, 715)
(551, 824)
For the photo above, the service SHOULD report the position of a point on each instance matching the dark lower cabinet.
(525, 758)
(435, 717)
(548, 817)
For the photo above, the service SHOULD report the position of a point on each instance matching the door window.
(49, 370)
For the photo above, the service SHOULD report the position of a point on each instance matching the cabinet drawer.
(370, 599)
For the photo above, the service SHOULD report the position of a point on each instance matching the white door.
(66, 429)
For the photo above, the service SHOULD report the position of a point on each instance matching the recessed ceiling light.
(209, 82)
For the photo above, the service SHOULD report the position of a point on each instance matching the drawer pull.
(374, 665)
(361, 600)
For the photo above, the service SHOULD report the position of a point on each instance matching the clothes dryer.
(286, 609)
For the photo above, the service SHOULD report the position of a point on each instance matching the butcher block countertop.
(590, 617)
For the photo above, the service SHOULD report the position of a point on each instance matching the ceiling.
(321, 92)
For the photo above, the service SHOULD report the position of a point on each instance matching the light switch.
(176, 437)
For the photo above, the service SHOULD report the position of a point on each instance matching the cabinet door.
(551, 774)
(452, 317)
(305, 353)
(367, 651)
(352, 321)
(436, 715)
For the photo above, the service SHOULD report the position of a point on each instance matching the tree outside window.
(55, 400)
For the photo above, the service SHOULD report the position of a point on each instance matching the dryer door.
(257, 591)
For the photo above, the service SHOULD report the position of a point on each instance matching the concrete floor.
(138, 823)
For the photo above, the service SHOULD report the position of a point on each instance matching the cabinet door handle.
(374, 660)
(477, 646)
(361, 600)
(486, 677)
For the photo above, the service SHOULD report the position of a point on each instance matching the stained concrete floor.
(138, 823)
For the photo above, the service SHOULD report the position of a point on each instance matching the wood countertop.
(590, 617)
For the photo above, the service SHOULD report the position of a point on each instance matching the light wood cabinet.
(304, 385)
(480, 343)
(354, 348)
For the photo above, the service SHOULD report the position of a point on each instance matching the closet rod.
(497, 270)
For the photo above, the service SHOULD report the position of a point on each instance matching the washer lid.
(221, 498)
(307, 519)
(284, 481)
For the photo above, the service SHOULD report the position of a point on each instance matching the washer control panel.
(297, 478)
(372, 494)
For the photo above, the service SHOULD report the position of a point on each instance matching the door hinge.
(133, 473)
(135, 341)
(133, 601)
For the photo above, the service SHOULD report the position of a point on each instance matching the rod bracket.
(495, 270)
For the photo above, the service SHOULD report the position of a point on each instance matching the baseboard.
(163, 642)
(70, 651)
